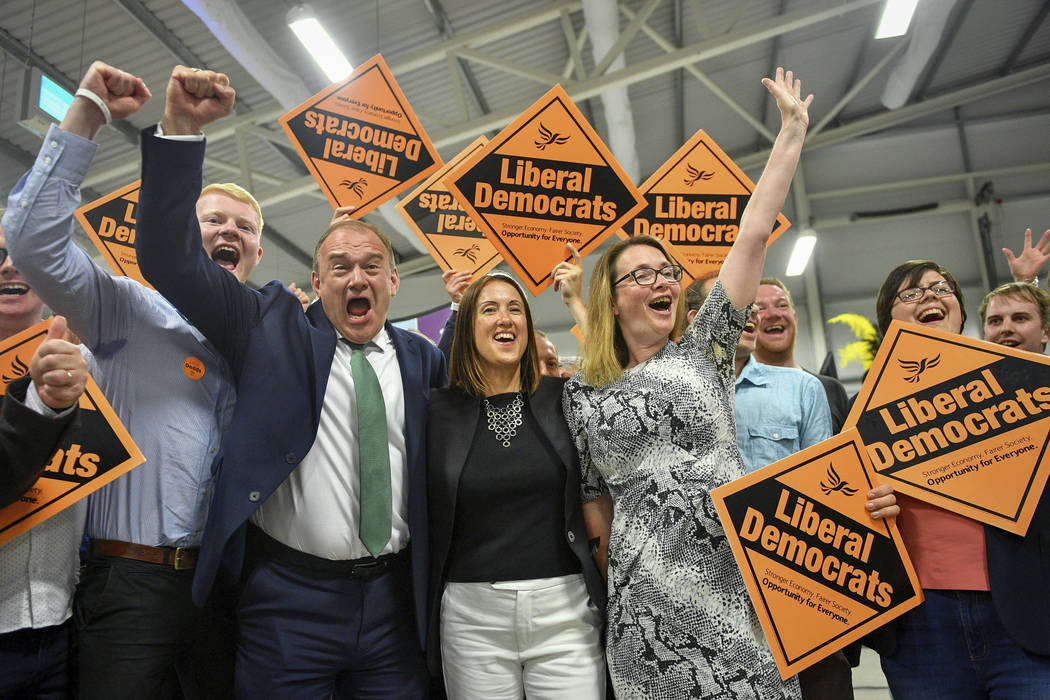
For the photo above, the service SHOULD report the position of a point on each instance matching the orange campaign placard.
(361, 140)
(544, 181)
(958, 422)
(444, 227)
(694, 202)
(91, 454)
(109, 222)
(820, 571)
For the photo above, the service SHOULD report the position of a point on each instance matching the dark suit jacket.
(280, 358)
(451, 424)
(27, 441)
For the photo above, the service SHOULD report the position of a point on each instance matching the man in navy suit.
(320, 613)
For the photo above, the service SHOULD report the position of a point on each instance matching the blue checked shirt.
(140, 343)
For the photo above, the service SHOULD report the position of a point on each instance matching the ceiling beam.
(888, 118)
(947, 39)
(1026, 38)
(644, 70)
(21, 53)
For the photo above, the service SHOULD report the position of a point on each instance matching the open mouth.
(1009, 342)
(774, 329)
(358, 308)
(660, 303)
(931, 315)
(14, 288)
(504, 337)
(226, 256)
(749, 327)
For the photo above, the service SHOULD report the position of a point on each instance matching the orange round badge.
(193, 368)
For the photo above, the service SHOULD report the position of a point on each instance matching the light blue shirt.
(140, 343)
(779, 411)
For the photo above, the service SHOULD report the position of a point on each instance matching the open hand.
(788, 93)
(1026, 266)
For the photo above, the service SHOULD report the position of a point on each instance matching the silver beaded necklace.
(504, 421)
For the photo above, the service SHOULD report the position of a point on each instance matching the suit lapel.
(322, 345)
(460, 430)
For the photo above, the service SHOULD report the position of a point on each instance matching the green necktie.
(373, 453)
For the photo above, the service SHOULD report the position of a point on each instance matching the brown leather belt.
(179, 558)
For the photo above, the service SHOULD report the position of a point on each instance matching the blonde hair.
(605, 353)
(235, 191)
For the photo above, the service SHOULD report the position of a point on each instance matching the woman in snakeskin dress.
(653, 420)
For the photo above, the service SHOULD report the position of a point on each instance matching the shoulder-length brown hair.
(912, 271)
(605, 352)
(465, 371)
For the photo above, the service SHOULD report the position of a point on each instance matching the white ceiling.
(978, 113)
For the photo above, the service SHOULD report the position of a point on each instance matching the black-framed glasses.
(944, 288)
(3, 255)
(646, 276)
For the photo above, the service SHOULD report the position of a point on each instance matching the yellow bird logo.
(356, 186)
(836, 483)
(549, 138)
(470, 253)
(694, 175)
(917, 368)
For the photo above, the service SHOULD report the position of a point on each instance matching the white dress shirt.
(317, 508)
(38, 569)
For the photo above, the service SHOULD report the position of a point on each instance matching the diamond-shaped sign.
(958, 422)
(90, 455)
(109, 222)
(694, 202)
(544, 181)
(361, 140)
(821, 572)
(444, 227)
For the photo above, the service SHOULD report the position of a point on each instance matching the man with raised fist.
(139, 633)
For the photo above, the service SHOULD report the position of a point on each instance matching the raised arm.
(39, 220)
(1025, 266)
(742, 268)
(568, 279)
(168, 240)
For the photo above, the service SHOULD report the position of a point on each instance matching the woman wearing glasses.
(956, 645)
(516, 596)
(652, 416)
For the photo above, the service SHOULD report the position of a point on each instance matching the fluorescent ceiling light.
(315, 39)
(804, 244)
(896, 16)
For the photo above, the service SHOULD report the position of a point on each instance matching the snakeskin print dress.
(680, 623)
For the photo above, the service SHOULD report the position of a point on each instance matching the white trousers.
(537, 638)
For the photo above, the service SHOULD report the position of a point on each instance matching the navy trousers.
(309, 633)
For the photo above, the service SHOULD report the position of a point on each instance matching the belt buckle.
(369, 570)
(177, 561)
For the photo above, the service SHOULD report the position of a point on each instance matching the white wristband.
(87, 94)
(454, 306)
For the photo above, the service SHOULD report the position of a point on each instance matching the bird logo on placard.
(17, 369)
(917, 368)
(356, 186)
(470, 253)
(549, 138)
(836, 483)
(694, 175)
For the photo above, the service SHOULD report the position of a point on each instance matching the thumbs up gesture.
(58, 369)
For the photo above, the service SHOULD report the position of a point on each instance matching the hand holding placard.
(122, 93)
(195, 98)
(455, 282)
(58, 369)
(568, 279)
